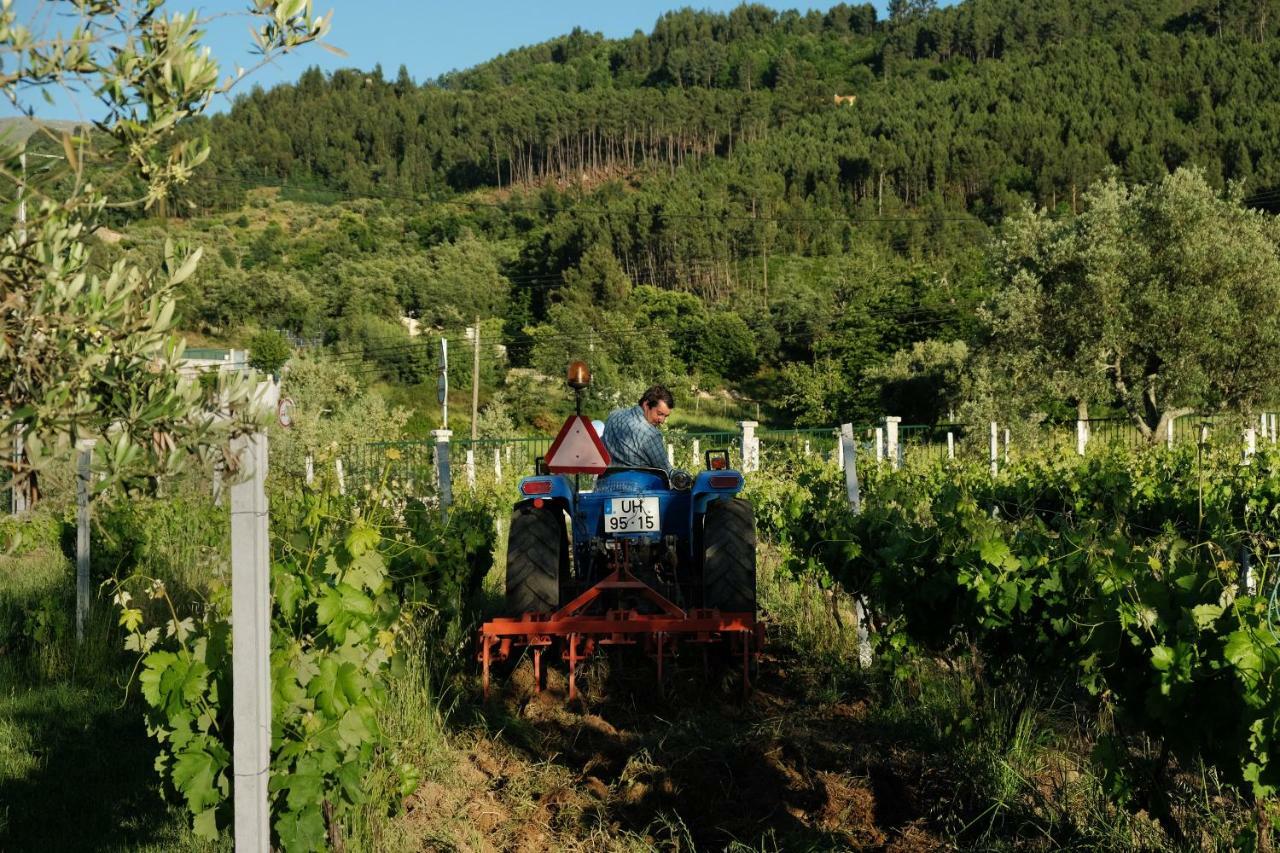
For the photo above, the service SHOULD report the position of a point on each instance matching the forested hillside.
(781, 169)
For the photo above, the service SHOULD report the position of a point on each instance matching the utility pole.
(475, 407)
(442, 386)
(475, 382)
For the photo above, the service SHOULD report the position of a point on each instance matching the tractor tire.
(537, 560)
(729, 556)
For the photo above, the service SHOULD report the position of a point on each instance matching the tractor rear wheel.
(729, 556)
(537, 560)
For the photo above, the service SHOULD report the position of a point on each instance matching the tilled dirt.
(691, 767)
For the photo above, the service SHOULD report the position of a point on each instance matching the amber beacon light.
(579, 375)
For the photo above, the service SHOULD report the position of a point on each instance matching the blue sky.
(426, 36)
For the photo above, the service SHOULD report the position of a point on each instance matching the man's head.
(657, 404)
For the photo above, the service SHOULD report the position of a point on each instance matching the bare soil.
(690, 767)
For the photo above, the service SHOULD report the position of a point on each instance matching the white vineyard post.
(1250, 443)
(891, 440)
(217, 483)
(444, 485)
(879, 445)
(342, 479)
(995, 449)
(806, 449)
(750, 445)
(849, 453)
(1006, 447)
(83, 496)
(671, 454)
(697, 454)
(497, 464)
(1168, 438)
(251, 645)
(1082, 435)
(310, 469)
(471, 469)
(951, 445)
(19, 495)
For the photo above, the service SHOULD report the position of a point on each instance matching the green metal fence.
(818, 441)
(409, 464)
(412, 463)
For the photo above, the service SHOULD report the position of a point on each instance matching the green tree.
(926, 383)
(89, 355)
(727, 347)
(268, 351)
(1165, 298)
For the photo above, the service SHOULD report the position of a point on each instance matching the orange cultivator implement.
(587, 623)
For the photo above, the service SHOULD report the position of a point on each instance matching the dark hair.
(655, 394)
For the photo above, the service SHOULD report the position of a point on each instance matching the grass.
(75, 759)
(942, 754)
(76, 762)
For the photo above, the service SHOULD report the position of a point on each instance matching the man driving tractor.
(631, 435)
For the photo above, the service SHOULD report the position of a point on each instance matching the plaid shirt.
(634, 442)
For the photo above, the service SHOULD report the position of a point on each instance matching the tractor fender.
(547, 488)
(712, 486)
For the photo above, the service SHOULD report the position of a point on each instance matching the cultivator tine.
(537, 669)
(573, 667)
(487, 643)
(661, 638)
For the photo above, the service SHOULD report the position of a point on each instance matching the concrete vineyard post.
(995, 449)
(891, 440)
(750, 446)
(849, 453)
(444, 487)
(251, 645)
(84, 490)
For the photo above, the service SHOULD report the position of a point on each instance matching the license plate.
(632, 515)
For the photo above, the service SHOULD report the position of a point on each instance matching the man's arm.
(655, 450)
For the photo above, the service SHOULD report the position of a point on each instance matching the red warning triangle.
(577, 449)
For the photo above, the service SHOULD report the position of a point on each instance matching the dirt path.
(627, 768)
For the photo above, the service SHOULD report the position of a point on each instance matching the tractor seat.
(629, 481)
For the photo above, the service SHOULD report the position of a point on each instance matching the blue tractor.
(635, 557)
(689, 538)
